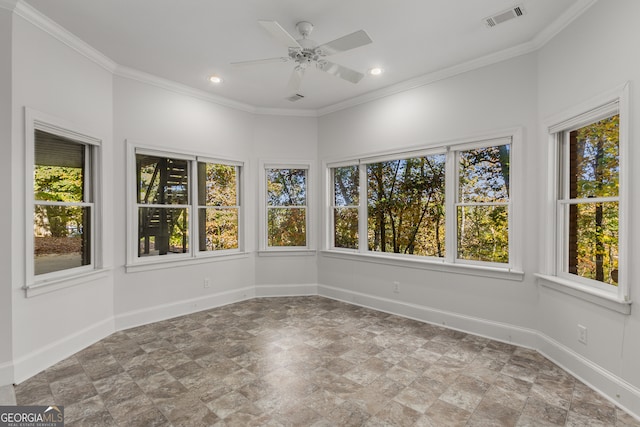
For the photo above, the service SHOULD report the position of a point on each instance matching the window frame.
(450, 262)
(239, 197)
(332, 206)
(46, 282)
(557, 128)
(263, 246)
(193, 253)
(455, 203)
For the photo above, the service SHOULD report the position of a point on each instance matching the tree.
(593, 226)
(58, 184)
(406, 206)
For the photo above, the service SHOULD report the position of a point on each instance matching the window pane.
(484, 174)
(287, 227)
(286, 187)
(218, 229)
(345, 227)
(593, 241)
(217, 185)
(61, 238)
(59, 168)
(162, 231)
(405, 201)
(345, 185)
(594, 160)
(162, 181)
(483, 233)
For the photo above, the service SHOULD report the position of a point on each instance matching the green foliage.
(286, 200)
(57, 184)
(406, 206)
(593, 226)
(218, 185)
(483, 230)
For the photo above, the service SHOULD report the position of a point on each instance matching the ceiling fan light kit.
(305, 52)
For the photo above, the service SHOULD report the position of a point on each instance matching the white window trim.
(36, 285)
(263, 248)
(616, 298)
(450, 263)
(193, 255)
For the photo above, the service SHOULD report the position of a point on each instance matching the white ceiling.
(186, 41)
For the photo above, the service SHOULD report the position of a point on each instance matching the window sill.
(468, 269)
(162, 263)
(287, 252)
(593, 295)
(46, 286)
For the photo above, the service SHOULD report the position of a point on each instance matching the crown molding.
(435, 76)
(562, 22)
(170, 85)
(55, 30)
(541, 39)
(41, 21)
(8, 4)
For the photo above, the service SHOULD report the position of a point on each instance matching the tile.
(312, 361)
(396, 414)
(72, 389)
(442, 413)
(489, 413)
(540, 410)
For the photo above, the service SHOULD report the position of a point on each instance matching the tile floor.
(311, 361)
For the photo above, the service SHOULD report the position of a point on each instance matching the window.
(62, 195)
(345, 206)
(218, 206)
(163, 205)
(286, 207)
(449, 204)
(63, 204)
(405, 205)
(587, 221)
(178, 196)
(589, 201)
(482, 205)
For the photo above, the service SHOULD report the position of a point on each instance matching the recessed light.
(376, 71)
(215, 79)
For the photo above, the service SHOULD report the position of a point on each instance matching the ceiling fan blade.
(260, 61)
(350, 41)
(279, 33)
(295, 81)
(340, 71)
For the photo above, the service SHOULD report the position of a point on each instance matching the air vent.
(296, 97)
(504, 16)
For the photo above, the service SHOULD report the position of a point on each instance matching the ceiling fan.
(305, 52)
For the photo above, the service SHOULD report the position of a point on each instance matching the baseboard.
(27, 366)
(609, 385)
(486, 328)
(286, 290)
(6, 373)
(612, 387)
(167, 311)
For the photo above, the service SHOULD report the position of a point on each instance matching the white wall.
(170, 121)
(167, 120)
(288, 139)
(50, 77)
(493, 98)
(46, 75)
(594, 55)
(6, 369)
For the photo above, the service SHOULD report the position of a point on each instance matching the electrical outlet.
(582, 334)
(207, 282)
(396, 287)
